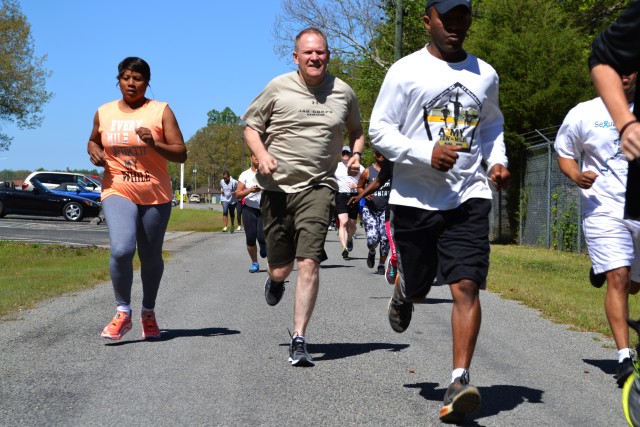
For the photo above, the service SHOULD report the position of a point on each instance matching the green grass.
(30, 273)
(555, 283)
(195, 220)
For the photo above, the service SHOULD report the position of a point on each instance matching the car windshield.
(37, 185)
(91, 182)
(72, 187)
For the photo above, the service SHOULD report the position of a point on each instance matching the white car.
(54, 179)
(194, 198)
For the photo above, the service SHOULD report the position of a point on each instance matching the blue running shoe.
(263, 251)
(255, 267)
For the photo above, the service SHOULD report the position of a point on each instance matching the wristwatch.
(358, 153)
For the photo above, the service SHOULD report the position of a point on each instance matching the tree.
(540, 56)
(366, 76)
(22, 76)
(346, 23)
(214, 149)
(224, 117)
(593, 16)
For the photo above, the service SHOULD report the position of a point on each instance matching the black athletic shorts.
(342, 207)
(448, 245)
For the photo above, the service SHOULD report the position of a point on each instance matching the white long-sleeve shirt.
(424, 101)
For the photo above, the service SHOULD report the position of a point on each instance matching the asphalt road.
(53, 230)
(222, 358)
(56, 230)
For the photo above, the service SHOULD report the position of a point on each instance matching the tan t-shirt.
(134, 170)
(302, 127)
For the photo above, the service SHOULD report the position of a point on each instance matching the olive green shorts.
(295, 224)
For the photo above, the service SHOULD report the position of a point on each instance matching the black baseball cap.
(444, 6)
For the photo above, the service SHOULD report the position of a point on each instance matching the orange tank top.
(133, 169)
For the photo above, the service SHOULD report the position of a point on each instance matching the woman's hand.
(96, 154)
(146, 136)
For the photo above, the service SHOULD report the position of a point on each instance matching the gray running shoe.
(298, 355)
(273, 291)
(460, 400)
(399, 313)
(371, 259)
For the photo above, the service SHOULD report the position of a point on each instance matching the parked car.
(76, 189)
(194, 198)
(53, 179)
(96, 178)
(43, 202)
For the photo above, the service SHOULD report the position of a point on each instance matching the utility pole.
(399, 18)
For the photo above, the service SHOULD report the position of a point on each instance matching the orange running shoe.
(149, 325)
(119, 325)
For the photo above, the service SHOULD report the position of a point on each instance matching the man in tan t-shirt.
(295, 128)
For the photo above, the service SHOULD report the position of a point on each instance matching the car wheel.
(1, 209)
(73, 211)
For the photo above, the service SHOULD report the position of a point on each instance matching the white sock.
(624, 354)
(458, 372)
(125, 308)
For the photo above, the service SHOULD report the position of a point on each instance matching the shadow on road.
(343, 350)
(495, 399)
(326, 266)
(427, 301)
(169, 334)
(335, 351)
(607, 366)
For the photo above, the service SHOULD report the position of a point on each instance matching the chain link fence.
(550, 203)
(499, 228)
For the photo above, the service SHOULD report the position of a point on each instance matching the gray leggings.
(130, 224)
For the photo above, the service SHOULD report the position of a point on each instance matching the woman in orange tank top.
(133, 138)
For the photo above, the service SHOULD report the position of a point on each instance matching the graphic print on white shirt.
(445, 113)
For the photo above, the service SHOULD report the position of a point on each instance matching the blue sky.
(204, 54)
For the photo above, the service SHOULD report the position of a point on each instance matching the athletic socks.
(125, 308)
(624, 353)
(459, 372)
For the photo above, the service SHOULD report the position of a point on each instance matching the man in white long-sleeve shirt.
(437, 118)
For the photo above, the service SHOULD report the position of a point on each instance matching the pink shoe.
(119, 325)
(150, 328)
